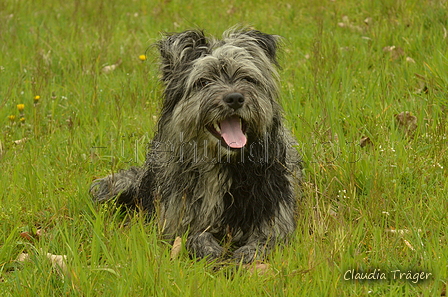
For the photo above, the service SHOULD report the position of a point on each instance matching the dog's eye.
(202, 83)
(250, 80)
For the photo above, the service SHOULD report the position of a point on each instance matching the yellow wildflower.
(142, 57)
(12, 118)
(36, 98)
(22, 120)
(20, 107)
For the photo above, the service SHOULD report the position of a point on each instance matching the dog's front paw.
(100, 189)
(211, 252)
(246, 254)
(204, 246)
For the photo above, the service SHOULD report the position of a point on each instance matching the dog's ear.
(269, 43)
(178, 49)
(246, 37)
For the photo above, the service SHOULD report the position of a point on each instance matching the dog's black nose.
(234, 100)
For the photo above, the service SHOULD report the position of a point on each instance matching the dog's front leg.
(262, 240)
(204, 245)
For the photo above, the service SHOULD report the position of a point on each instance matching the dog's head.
(224, 89)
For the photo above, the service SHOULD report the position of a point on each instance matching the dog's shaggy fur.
(221, 166)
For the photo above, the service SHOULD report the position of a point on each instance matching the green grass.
(338, 85)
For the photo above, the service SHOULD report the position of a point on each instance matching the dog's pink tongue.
(231, 132)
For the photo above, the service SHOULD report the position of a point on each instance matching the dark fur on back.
(197, 179)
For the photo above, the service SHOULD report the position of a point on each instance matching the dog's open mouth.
(231, 130)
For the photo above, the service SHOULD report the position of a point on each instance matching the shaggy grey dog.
(221, 166)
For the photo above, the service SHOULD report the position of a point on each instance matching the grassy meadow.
(364, 90)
